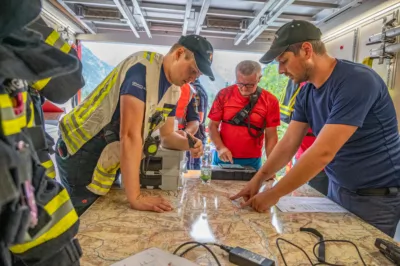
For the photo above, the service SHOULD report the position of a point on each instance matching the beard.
(303, 76)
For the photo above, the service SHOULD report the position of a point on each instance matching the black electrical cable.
(196, 245)
(341, 241)
(322, 262)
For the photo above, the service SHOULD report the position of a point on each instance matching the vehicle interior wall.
(352, 45)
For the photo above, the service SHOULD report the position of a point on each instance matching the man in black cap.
(108, 132)
(348, 107)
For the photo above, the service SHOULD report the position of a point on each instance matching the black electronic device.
(226, 172)
(390, 250)
(244, 257)
(238, 256)
(151, 143)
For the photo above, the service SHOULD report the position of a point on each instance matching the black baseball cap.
(292, 32)
(202, 50)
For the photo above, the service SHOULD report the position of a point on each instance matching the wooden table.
(110, 231)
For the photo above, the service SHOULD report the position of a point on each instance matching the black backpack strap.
(240, 118)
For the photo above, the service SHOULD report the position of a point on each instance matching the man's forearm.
(192, 127)
(307, 167)
(131, 156)
(175, 141)
(280, 155)
(270, 143)
(215, 137)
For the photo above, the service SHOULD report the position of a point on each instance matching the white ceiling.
(230, 24)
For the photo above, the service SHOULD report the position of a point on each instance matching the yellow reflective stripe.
(108, 181)
(31, 121)
(152, 57)
(52, 38)
(55, 203)
(368, 61)
(47, 164)
(21, 120)
(112, 170)
(286, 107)
(66, 135)
(99, 93)
(71, 132)
(56, 230)
(11, 123)
(50, 169)
(165, 110)
(149, 56)
(5, 101)
(10, 127)
(285, 112)
(63, 216)
(100, 99)
(100, 190)
(65, 48)
(81, 132)
(293, 99)
(51, 173)
(39, 85)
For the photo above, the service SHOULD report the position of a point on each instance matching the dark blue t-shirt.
(135, 84)
(202, 107)
(192, 111)
(356, 95)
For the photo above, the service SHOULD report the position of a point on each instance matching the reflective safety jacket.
(187, 93)
(38, 223)
(95, 113)
(56, 89)
(56, 220)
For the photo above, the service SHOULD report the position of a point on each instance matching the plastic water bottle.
(205, 173)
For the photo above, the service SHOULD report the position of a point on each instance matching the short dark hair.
(317, 45)
(176, 46)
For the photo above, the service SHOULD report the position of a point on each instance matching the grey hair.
(248, 67)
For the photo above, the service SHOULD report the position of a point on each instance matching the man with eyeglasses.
(111, 129)
(242, 143)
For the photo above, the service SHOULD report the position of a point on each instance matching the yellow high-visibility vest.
(93, 114)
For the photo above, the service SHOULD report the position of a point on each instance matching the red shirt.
(237, 139)
(305, 144)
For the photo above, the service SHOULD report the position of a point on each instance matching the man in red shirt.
(241, 143)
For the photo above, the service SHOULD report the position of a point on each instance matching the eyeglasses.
(248, 85)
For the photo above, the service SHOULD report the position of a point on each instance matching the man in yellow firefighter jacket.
(113, 127)
(38, 222)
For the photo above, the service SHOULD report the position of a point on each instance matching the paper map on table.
(308, 204)
(154, 257)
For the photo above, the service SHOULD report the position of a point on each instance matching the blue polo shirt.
(135, 84)
(356, 95)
